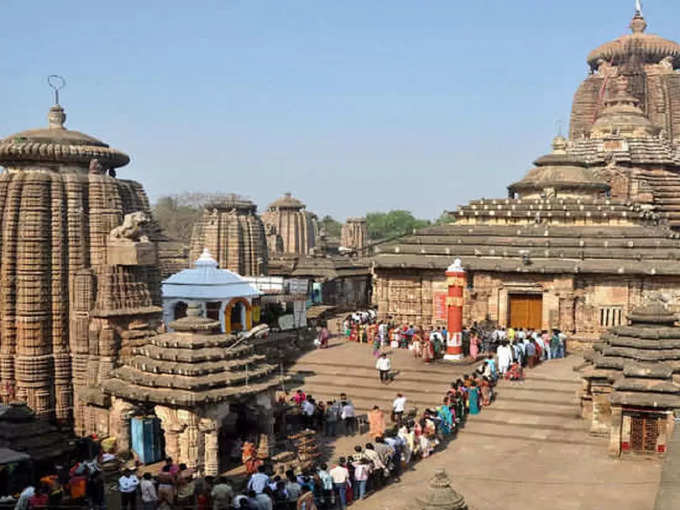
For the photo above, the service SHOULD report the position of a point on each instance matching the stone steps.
(370, 372)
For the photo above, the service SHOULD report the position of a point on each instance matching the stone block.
(131, 254)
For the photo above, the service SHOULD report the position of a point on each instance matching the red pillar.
(456, 281)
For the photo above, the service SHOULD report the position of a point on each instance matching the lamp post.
(455, 281)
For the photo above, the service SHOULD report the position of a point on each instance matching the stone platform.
(530, 450)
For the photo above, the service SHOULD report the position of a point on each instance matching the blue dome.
(206, 281)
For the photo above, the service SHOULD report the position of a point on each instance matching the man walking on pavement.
(384, 365)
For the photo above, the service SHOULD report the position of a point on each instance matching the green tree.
(382, 225)
(332, 227)
(176, 220)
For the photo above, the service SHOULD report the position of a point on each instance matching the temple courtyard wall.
(583, 306)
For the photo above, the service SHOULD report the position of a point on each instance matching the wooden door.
(644, 432)
(526, 311)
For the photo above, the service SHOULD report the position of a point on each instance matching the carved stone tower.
(354, 234)
(234, 234)
(63, 303)
(298, 228)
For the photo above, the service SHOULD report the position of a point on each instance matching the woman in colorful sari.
(416, 346)
(446, 420)
(428, 350)
(376, 421)
(486, 391)
(249, 457)
(473, 398)
(474, 346)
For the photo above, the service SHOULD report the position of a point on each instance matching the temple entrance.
(237, 317)
(147, 439)
(644, 432)
(525, 311)
(180, 310)
(243, 423)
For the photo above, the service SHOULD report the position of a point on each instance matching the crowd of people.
(428, 344)
(396, 441)
(529, 346)
(368, 467)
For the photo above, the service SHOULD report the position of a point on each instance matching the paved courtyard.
(530, 450)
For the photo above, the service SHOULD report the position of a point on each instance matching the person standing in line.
(221, 494)
(362, 469)
(347, 415)
(148, 492)
(376, 421)
(95, 492)
(383, 365)
(341, 481)
(127, 485)
(306, 500)
(398, 406)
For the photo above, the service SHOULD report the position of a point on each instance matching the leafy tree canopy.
(383, 225)
(332, 227)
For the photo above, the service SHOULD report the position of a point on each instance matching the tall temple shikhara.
(78, 279)
(588, 234)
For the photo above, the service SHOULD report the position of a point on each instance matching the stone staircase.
(423, 388)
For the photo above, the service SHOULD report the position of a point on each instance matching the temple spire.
(638, 8)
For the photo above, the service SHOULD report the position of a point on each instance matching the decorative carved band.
(454, 301)
(455, 281)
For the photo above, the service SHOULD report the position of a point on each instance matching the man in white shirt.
(347, 415)
(258, 481)
(341, 481)
(308, 409)
(398, 407)
(383, 365)
(127, 485)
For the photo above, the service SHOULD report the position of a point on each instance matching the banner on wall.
(439, 306)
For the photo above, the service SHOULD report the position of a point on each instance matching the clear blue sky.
(354, 106)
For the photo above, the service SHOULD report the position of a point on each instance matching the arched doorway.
(238, 316)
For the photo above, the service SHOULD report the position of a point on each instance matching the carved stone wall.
(52, 226)
(660, 101)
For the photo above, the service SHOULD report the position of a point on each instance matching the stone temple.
(586, 236)
(234, 235)
(78, 278)
(287, 219)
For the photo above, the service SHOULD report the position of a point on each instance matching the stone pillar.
(119, 423)
(615, 431)
(455, 279)
(211, 457)
(171, 431)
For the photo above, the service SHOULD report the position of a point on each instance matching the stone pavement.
(529, 450)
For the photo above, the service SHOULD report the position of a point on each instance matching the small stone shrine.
(222, 295)
(288, 219)
(234, 235)
(205, 387)
(440, 495)
(629, 392)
